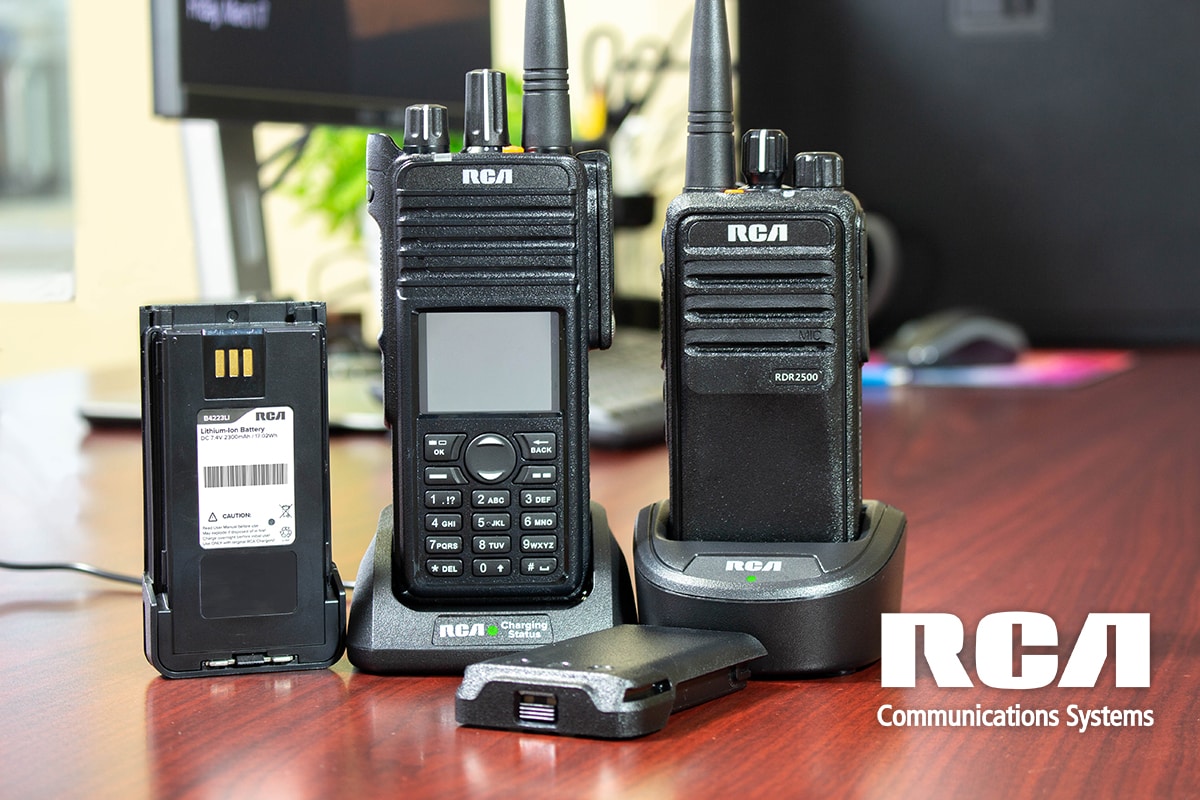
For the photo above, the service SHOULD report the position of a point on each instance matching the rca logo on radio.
(996, 641)
(759, 232)
(269, 416)
(461, 630)
(488, 176)
(754, 566)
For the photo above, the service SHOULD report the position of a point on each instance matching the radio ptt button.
(490, 458)
(443, 446)
(538, 446)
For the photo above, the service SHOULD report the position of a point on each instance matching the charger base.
(816, 606)
(388, 636)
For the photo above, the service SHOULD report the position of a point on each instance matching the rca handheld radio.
(497, 279)
(764, 330)
(764, 335)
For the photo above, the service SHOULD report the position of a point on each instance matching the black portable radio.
(764, 331)
(497, 279)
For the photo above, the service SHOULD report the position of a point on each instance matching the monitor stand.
(227, 214)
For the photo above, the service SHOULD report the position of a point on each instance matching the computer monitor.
(1037, 158)
(340, 62)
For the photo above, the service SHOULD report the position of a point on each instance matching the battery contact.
(536, 708)
(248, 660)
(233, 363)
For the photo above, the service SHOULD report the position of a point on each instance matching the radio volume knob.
(425, 129)
(764, 157)
(819, 171)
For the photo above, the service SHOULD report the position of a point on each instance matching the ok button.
(490, 458)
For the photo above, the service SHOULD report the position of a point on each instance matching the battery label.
(245, 464)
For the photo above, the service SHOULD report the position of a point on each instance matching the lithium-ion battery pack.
(616, 683)
(239, 575)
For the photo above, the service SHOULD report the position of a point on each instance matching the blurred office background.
(94, 202)
(1032, 156)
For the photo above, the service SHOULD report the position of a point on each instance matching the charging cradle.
(814, 605)
(386, 635)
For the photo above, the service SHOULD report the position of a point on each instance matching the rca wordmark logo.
(758, 232)
(1000, 664)
(996, 640)
(487, 177)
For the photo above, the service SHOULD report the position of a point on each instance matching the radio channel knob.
(764, 157)
(818, 171)
(486, 113)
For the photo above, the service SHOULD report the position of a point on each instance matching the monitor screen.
(348, 62)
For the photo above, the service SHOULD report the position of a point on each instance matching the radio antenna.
(710, 161)
(546, 115)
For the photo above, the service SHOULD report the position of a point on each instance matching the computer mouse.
(955, 338)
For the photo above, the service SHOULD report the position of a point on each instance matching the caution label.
(245, 464)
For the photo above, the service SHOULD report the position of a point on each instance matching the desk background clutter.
(1059, 502)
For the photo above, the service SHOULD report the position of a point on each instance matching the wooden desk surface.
(1060, 502)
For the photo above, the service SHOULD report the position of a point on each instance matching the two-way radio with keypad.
(497, 279)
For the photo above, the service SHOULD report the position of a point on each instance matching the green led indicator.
(492, 630)
(750, 579)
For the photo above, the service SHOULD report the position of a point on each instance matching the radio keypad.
(539, 498)
(445, 567)
(538, 544)
(444, 499)
(443, 446)
(490, 498)
(538, 566)
(444, 476)
(443, 544)
(502, 477)
(539, 474)
(538, 446)
(539, 521)
(491, 544)
(491, 522)
(484, 567)
(443, 522)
